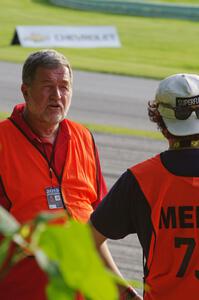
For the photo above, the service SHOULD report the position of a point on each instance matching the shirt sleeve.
(114, 217)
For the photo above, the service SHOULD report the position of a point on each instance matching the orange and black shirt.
(158, 200)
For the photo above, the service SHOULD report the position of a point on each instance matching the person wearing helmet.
(158, 199)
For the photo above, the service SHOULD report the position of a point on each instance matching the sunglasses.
(182, 112)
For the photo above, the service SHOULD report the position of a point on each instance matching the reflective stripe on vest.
(173, 259)
(25, 173)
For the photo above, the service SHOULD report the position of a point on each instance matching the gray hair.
(48, 58)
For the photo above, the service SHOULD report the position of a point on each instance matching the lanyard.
(53, 193)
(52, 156)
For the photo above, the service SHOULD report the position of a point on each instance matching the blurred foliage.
(65, 252)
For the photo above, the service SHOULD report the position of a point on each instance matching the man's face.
(48, 97)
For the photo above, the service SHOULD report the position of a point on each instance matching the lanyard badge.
(54, 199)
(53, 193)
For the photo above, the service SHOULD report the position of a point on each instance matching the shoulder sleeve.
(114, 217)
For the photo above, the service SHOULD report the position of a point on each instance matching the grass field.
(150, 47)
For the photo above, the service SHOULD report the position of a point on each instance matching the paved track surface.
(105, 99)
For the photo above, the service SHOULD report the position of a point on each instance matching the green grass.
(150, 47)
(124, 131)
(3, 115)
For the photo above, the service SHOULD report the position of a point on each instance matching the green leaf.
(8, 224)
(4, 246)
(57, 289)
(72, 247)
(49, 266)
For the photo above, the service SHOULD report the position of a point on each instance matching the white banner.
(67, 36)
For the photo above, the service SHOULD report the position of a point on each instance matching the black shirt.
(124, 209)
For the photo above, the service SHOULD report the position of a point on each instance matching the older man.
(47, 162)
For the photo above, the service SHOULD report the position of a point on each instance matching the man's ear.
(24, 90)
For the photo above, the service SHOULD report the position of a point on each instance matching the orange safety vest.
(24, 172)
(173, 260)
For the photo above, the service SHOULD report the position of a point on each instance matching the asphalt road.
(105, 99)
